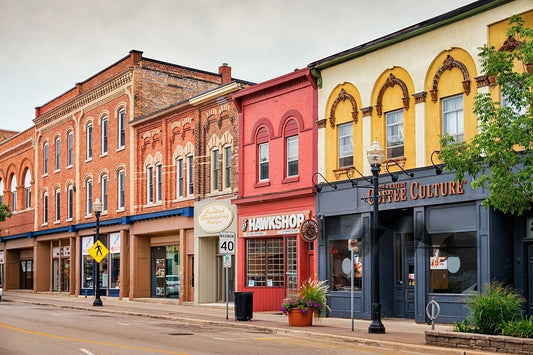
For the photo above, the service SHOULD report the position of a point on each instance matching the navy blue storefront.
(436, 239)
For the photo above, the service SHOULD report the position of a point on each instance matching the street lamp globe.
(97, 205)
(375, 154)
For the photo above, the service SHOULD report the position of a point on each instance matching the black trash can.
(244, 305)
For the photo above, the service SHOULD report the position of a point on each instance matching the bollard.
(435, 311)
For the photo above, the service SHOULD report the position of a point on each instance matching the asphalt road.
(33, 329)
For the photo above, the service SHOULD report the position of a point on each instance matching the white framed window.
(345, 132)
(1, 191)
(70, 148)
(89, 141)
(453, 117)
(263, 161)
(159, 182)
(105, 123)
(14, 194)
(179, 177)
(121, 189)
(121, 128)
(58, 153)
(104, 182)
(58, 206)
(70, 203)
(190, 175)
(149, 184)
(395, 140)
(227, 167)
(292, 156)
(45, 208)
(89, 197)
(215, 169)
(45, 159)
(27, 189)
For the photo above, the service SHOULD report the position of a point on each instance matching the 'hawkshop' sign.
(276, 224)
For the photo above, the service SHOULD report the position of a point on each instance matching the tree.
(499, 157)
(4, 212)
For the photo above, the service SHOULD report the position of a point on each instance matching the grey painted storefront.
(422, 216)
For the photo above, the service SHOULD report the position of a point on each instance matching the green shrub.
(491, 309)
(522, 328)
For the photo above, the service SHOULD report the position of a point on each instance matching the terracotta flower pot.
(299, 319)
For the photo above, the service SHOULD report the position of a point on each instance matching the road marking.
(89, 341)
(85, 351)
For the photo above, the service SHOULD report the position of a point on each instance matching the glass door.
(404, 271)
(65, 277)
(55, 275)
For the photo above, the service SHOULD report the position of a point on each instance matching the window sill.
(89, 159)
(290, 179)
(121, 148)
(262, 184)
(69, 166)
(103, 155)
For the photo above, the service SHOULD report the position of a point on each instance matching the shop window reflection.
(340, 266)
(453, 262)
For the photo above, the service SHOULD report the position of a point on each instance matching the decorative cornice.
(448, 64)
(389, 83)
(484, 80)
(367, 111)
(321, 123)
(343, 96)
(510, 45)
(420, 97)
(83, 100)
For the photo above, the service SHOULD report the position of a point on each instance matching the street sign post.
(226, 243)
(98, 251)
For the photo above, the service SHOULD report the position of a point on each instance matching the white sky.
(48, 46)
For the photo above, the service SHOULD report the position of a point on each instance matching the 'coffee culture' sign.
(401, 191)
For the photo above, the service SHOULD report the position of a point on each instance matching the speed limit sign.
(226, 243)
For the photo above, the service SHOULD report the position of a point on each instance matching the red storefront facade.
(277, 157)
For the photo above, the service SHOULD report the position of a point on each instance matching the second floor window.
(263, 161)
(159, 182)
(292, 156)
(89, 141)
(179, 177)
(45, 209)
(104, 193)
(70, 148)
(70, 203)
(58, 205)
(104, 135)
(345, 132)
(190, 176)
(45, 159)
(121, 128)
(121, 189)
(227, 167)
(89, 197)
(394, 121)
(215, 169)
(452, 117)
(27, 189)
(13, 194)
(150, 184)
(58, 155)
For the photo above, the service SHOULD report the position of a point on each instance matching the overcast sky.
(48, 46)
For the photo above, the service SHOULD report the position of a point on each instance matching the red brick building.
(108, 138)
(277, 158)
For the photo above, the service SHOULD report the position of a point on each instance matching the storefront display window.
(453, 262)
(166, 268)
(340, 266)
(264, 262)
(87, 263)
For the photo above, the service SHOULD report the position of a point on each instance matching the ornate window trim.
(448, 64)
(389, 83)
(343, 96)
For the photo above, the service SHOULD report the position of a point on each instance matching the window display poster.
(114, 243)
(86, 244)
(160, 267)
(437, 262)
(1, 257)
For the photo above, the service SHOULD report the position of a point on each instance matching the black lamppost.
(375, 157)
(97, 208)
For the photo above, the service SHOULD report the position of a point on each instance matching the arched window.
(27, 189)
(291, 148)
(179, 177)
(262, 154)
(227, 167)
(121, 189)
(104, 182)
(1, 191)
(104, 134)
(89, 197)
(89, 141)
(58, 205)
(13, 193)
(45, 208)
(121, 128)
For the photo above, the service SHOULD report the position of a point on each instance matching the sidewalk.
(401, 334)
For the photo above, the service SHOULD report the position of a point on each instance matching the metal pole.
(97, 300)
(227, 292)
(351, 289)
(376, 326)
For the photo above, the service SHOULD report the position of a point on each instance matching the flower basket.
(309, 301)
(300, 319)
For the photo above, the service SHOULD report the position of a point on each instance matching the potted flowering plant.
(309, 301)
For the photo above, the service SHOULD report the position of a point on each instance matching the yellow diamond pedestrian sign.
(98, 251)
